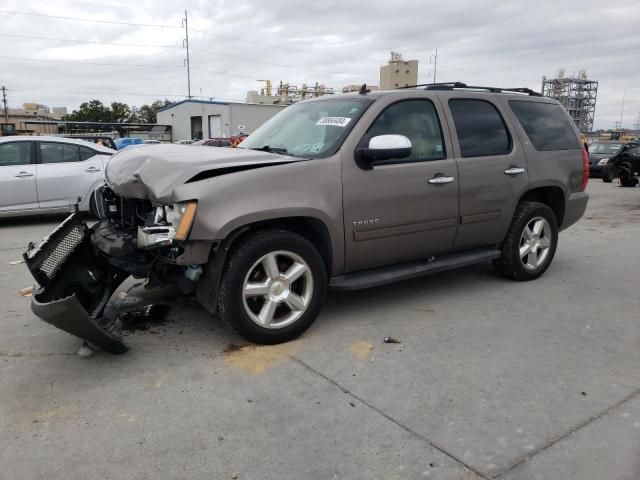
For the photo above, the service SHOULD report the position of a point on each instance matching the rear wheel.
(531, 242)
(272, 287)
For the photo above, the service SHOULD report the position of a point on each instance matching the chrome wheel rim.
(535, 243)
(277, 290)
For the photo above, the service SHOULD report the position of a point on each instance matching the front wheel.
(273, 286)
(531, 242)
(608, 174)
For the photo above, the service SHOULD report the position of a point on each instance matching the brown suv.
(344, 193)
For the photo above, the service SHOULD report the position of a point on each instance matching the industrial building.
(577, 94)
(197, 119)
(398, 72)
(285, 93)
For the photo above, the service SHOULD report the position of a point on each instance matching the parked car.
(126, 141)
(623, 164)
(185, 142)
(214, 142)
(341, 193)
(599, 154)
(40, 174)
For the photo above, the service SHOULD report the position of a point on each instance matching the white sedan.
(40, 174)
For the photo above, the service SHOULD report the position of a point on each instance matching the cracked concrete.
(493, 379)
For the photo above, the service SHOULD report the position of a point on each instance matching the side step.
(404, 271)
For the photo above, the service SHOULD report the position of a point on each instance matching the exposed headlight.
(181, 217)
(603, 161)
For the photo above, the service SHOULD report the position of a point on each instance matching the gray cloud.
(335, 43)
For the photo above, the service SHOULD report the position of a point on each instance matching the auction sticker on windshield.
(335, 121)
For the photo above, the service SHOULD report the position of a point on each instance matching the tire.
(607, 175)
(265, 307)
(532, 265)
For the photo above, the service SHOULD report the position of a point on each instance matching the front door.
(17, 176)
(398, 211)
(215, 126)
(66, 172)
(492, 168)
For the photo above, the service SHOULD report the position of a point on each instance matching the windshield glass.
(312, 130)
(604, 148)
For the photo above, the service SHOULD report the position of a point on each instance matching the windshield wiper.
(267, 148)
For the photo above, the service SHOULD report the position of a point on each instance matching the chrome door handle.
(92, 170)
(23, 174)
(441, 180)
(514, 171)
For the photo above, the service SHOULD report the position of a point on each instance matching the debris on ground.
(142, 318)
(391, 340)
(87, 349)
(16, 262)
(26, 291)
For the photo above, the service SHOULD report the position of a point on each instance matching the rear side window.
(86, 153)
(15, 153)
(59, 153)
(480, 128)
(547, 125)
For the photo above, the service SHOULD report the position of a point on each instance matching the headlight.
(604, 161)
(182, 216)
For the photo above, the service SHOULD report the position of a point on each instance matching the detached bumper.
(75, 285)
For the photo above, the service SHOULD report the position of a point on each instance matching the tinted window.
(418, 121)
(635, 152)
(86, 153)
(59, 153)
(481, 130)
(547, 125)
(15, 153)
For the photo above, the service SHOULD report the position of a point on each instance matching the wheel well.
(553, 197)
(310, 228)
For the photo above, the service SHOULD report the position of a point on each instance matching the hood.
(153, 171)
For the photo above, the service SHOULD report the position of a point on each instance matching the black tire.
(242, 260)
(510, 263)
(608, 174)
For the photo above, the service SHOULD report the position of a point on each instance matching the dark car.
(214, 142)
(628, 154)
(599, 154)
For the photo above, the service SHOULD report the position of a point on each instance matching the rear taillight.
(585, 170)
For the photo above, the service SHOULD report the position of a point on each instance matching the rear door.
(492, 168)
(66, 171)
(17, 176)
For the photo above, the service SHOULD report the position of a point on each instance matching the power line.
(79, 62)
(88, 42)
(124, 7)
(9, 12)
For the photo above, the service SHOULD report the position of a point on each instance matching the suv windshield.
(310, 129)
(604, 148)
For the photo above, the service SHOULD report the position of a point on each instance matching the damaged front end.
(79, 267)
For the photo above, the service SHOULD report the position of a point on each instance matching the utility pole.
(433, 60)
(624, 94)
(4, 100)
(185, 43)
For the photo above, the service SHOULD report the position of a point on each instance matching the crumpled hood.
(153, 171)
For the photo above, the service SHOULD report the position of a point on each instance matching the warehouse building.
(197, 119)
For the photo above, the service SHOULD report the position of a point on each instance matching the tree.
(120, 112)
(92, 111)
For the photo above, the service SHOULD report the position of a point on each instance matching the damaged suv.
(346, 192)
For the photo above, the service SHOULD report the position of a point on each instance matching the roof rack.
(464, 86)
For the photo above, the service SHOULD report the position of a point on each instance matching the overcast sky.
(235, 43)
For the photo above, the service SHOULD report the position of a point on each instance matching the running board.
(404, 271)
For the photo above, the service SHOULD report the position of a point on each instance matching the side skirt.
(404, 271)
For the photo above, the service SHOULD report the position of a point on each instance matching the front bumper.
(75, 285)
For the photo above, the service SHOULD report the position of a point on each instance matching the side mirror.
(383, 147)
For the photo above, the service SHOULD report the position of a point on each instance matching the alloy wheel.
(535, 243)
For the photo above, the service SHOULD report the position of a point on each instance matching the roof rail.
(460, 85)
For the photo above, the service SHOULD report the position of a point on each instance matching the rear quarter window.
(547, 125)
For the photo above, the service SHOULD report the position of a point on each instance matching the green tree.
(120, 112)
(92, 111)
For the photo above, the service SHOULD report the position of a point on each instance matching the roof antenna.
(363, 89)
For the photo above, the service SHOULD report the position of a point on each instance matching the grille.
(62, 250)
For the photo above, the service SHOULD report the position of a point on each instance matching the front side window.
(418, 121)
(86, 153)
(59, 153)
(480, 128)
(15, 153)
(547, 125)
(313, 129)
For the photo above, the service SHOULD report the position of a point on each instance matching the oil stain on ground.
(361, 349)
(257, 359)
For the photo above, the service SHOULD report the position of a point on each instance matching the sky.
(65, 52)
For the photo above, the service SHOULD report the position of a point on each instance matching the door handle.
(439, 180)
(92, 170)
(513, 170)
(23, 174)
